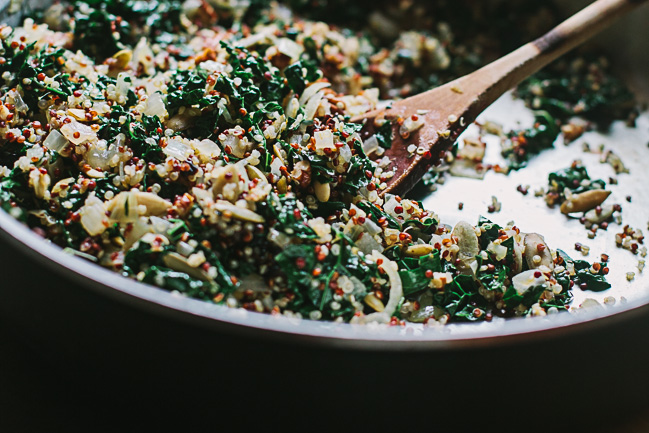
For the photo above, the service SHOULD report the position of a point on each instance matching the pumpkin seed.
(584, 201)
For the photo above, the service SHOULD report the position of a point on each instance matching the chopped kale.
(574, 179)
(587, 276)
(415, 279)
(520, 145)
(582, 87)
(180, 282)
(290, 218)
(461, 298)
(384, 135)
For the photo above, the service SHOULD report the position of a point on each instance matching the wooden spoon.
(447, 110)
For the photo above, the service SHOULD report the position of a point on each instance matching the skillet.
(133, 342)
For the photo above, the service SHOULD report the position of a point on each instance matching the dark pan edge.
(238, 321)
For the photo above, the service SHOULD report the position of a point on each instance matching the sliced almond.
(61, 187)
(537, 253)
(322, 191)
(122, 59)
(93, 173)
(375, 303)
(467, 240)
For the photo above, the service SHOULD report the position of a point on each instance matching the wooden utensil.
(447, 110)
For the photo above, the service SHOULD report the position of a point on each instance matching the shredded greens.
(207, 149)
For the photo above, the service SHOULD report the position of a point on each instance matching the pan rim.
(283, 329)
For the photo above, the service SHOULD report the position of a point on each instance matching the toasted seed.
(585, 201)
(122, 59)
(282, 186)
(418, 250)
(537, 253)
(322, 191)
(374, 302)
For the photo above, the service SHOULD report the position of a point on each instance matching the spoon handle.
(494, 79)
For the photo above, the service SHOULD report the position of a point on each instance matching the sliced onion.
(278, 238)
(154, 204)
(99, 156)
(143, 55)
(367, 244)
(312, 90)
(160, 225)
(345, 153)
(396, 291)
(20, 104)
(85, 132)
(389, 208)
(177, 149)
(123, 207)
(292, 107)
(123, 84)
(93, 216)
(275, 167)
(370, 145)
(55, 141)
(324, 140)
(289, 48)
(371, 227)
(206, 150)
(155, 106)
(525, 280)
(312, 105)
(498, 250)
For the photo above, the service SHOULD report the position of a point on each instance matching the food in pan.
(207, 149)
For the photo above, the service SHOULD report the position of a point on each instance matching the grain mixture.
(206, 148)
